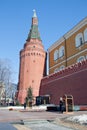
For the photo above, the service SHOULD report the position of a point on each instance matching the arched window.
(85, 35)
(56, 55)
(62, 67)
(81, 58)
(56, 70)
(79, 40)
(86, 56)
(61, 51)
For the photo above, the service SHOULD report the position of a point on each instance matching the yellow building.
(69, 49)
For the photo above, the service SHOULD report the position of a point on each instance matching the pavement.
(6, 126)
(44, 125)
(20, 119)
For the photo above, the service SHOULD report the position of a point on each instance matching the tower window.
(32, 81)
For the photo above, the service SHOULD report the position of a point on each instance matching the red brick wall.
(72, 81)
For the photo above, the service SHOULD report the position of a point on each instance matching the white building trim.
(68, 34)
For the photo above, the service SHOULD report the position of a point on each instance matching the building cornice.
(68, 34)
(58, 42)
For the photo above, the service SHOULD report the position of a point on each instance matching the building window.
(79, 40)
(85, 35)
(56, 55)
(81, 58)
(62, 67)
(56, 70)
(86, 56)
(61, 51)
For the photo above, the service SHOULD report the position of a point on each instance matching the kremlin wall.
(71, 81)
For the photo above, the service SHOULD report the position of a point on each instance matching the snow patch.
(81, 119)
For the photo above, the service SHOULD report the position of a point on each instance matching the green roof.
(34, 33)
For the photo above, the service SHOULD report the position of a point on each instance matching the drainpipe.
(65, 51)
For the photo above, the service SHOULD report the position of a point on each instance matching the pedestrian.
(24, 105)
(61, 105)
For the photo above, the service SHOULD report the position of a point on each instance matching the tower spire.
(34, 33)
(34, 15)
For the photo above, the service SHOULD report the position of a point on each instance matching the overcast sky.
(55, 17)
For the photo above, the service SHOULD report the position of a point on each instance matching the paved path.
(44, 125)
(6, 126)
(13, 116)
(32, 120)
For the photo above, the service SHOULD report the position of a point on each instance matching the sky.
(55, 17)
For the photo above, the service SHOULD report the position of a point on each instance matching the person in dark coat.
(24, 105)
(61, 105)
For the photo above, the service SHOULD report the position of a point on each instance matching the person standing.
(61, 104)
(24, 105)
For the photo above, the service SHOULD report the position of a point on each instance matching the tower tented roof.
(34, 33)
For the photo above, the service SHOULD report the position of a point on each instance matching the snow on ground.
(81, 119)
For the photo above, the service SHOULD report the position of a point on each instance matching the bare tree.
(5, 78)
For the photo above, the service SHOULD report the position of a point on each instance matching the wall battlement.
(75, 68)
(71, 81)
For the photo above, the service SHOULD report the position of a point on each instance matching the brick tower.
(32, 62)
